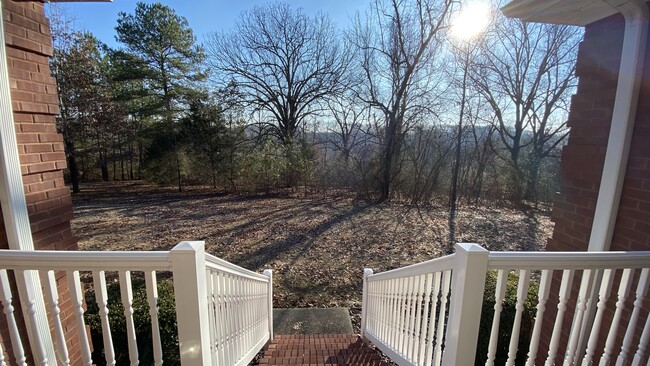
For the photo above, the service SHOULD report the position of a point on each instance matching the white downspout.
(16, 218)
(624, 115)
(630, 72)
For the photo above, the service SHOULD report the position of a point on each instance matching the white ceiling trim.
(573, 12)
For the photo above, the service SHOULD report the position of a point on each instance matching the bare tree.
(348, 118)
(398, 44)
(283, 62)
(526, 74)
(482, 152)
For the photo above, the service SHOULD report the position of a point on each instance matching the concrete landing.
(312, 321)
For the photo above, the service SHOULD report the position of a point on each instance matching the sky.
(204, 16)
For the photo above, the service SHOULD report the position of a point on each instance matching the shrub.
(142, 321)
(507, 320)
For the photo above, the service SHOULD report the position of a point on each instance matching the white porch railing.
(239, 299)
(429, 313)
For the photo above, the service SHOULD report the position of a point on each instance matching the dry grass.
(317, 246)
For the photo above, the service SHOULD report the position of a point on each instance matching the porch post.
(364, 301)
(269, 273)
(16, 218)
(190, 291)
(467, 286)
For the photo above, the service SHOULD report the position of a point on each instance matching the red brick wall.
(582, 163)
(42, 158)
(582, 158)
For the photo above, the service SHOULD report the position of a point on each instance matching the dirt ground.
(317, 246)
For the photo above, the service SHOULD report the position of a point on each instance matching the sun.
(471, 20)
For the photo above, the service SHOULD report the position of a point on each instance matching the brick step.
(320, 349)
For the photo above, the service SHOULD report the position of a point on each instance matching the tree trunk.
(104, 166)
(140, 159)
(122, 164)
(533, 174)
(72, 166)
(454, 179)
(389, 157)
(131, 161)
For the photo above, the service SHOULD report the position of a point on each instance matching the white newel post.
(467, 286)
(364, 301)
(188, 265)
(269, 273)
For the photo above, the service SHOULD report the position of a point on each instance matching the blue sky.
(204, 16)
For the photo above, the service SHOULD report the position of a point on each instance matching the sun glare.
(471, 20)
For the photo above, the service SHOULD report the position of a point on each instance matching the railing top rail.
(218, 264)
(568, 260)
(430, 266)
(59, 260)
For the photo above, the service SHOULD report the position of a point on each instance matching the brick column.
(35, 105)
(583, 157)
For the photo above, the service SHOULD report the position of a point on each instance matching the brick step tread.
(322, 361)
(321, 339)
(320, 349)
(316, 346)
(330, 352)
(287, 361)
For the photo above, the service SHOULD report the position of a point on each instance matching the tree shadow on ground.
(300, 242)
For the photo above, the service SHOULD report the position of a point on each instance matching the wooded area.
(395, 107)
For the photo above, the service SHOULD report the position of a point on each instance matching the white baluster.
(542, 298)
(400, 312)
(425, 319)
(578, 317)
(241, 325)
(603, 295)
(499, 295)
(382, 310)
(399, 288)
(6, 299)
(223, 321)
(2, 355)
(522, 294)
(218, 319)
(246, 314)
(392, 337)
(233, 299)
(408, 316)
(565, 292)
(229, 318)
(152, 298)
(641, 292)
(52, 297)
(28, 303)
(641, 352)
(415, 342)
(101, 296)
(386, 315)
(432, 318)
(126, 292)
(212, 324)
(623, 292)
(236, 320)
(251, 310)
(76, 297)
(371, 321)
(446, 282)
(375, 306)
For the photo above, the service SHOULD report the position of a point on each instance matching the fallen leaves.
(317, 246)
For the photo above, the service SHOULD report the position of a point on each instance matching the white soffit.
(573, 12)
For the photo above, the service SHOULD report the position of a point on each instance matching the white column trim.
(14, 205)
(622, 126)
